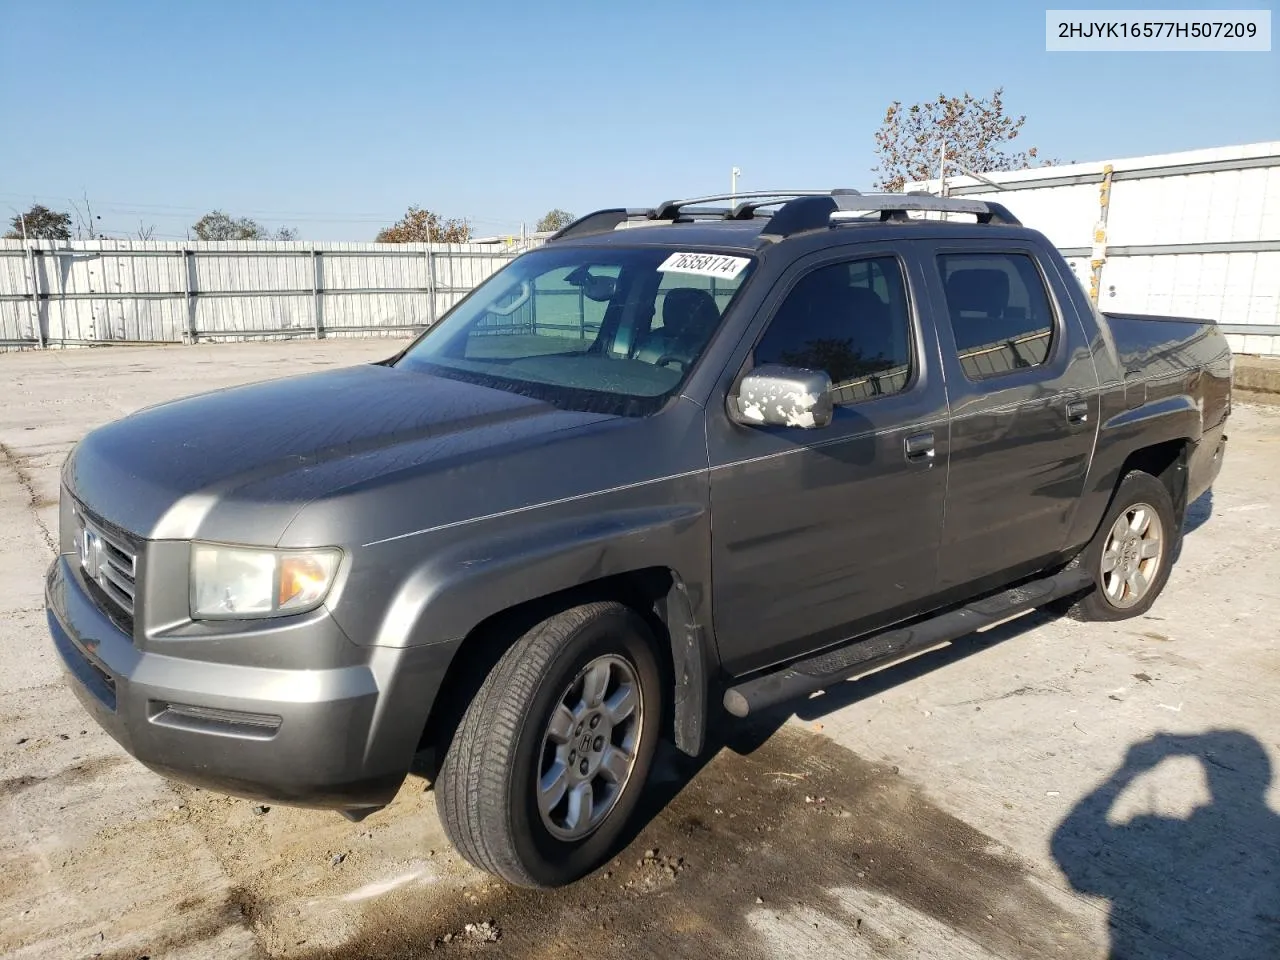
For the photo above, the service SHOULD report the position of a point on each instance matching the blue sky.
(334, 117)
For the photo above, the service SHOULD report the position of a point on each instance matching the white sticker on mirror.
(705, 265)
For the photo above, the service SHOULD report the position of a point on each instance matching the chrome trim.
(107, 560)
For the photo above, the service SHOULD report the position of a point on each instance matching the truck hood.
(237, 464)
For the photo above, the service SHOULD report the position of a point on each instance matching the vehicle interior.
(611, 322)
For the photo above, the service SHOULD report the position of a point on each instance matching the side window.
(1000, 312)
(851, 320)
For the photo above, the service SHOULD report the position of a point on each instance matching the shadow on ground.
(1198, 513)
(1204, 886)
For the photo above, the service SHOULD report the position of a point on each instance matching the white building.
(1193, 234)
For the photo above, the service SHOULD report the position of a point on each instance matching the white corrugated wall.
(141, 291)
(1194, 233)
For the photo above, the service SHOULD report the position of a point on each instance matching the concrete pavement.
(1046, 789)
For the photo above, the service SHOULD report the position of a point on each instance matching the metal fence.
(1193, 234)
(75, 293)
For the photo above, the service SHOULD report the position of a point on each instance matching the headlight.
(241, 582)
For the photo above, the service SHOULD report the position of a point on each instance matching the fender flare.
(691, 663)
(461, 587)
(1170, 419)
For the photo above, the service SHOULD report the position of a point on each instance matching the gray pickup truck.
(676, 463)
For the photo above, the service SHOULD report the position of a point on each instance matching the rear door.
(1023, 394)
(820, 534)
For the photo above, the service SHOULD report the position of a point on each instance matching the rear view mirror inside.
(600, 289)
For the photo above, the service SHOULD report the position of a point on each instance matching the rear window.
(1000, 312)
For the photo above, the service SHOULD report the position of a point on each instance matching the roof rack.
(800, 210)
(747, 209)
(895, 206)
(848, 207)
(671, 209)
(602, 221)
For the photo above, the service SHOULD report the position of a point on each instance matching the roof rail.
(816, 213)
(671, 208)
(799, 215)
(602, 221)
(800, 210)
(895, 206)
(747, 209)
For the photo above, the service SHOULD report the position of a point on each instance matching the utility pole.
(734, 174)
(35, 282)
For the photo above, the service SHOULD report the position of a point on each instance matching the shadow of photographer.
(1204, 886)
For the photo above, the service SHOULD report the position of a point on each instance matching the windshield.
(598, 329)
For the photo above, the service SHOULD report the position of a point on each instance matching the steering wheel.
(667, 358)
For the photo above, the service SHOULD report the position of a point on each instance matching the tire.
(505, 748)
(1115, 594)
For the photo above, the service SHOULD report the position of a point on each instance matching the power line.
(173, 211)
(170, 209)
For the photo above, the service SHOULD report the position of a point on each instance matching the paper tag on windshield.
(705, 265)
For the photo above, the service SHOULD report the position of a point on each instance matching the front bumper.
(338, 738)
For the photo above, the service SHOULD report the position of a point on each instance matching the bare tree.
(40, 223)
(424, 226)
(145, 232)
(86, 222)
(974, 132)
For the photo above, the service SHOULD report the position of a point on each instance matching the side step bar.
(879, 650)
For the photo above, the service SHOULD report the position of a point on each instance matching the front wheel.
(1131, 554)
(554, 750)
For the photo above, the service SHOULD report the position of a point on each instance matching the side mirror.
(778, 396)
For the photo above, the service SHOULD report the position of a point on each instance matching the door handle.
(919, 447)
(1077, 411)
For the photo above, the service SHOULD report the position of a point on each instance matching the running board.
(868, 654)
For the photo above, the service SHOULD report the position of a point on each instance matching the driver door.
(824, 533)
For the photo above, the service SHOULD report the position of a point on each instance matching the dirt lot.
(1046, 789)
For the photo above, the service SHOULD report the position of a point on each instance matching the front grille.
(109, 563)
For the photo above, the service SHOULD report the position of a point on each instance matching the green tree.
(976, 132)
(553, 220)
(424, 226)
(40, 223)
(217, 225)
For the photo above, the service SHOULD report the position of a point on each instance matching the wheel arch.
(1167, 462)
(1157, 438)
(658, 594)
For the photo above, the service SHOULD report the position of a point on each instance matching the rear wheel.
(554, 750)
(1131, 554)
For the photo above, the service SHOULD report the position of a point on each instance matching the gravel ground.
(1045, 789)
